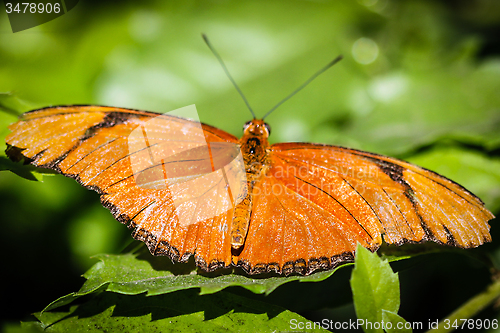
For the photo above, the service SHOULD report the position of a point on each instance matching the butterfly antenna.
(330, 64)
(205, 38)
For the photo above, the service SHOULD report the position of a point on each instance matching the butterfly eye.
(268, 128)
(246, 125)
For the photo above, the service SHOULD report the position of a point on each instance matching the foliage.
(375, 291)
(175, 312)
(165, 298)
(419, 81)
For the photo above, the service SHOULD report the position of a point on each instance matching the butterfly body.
(304, 206)
(255, 151)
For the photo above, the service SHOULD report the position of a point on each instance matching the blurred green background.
(420, 80)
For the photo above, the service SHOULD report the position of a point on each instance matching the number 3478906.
(31, 7)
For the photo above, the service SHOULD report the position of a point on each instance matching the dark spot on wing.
(110, 120)
(394, 171)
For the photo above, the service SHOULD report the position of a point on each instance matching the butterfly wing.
(317, 201)
(96, 146)
(311, 207)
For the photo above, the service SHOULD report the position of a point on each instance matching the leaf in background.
(183, 311)
(474, 170)
(26, 327)
(28, 172)
(13, 105)
(5, 120)
(411, 108)
(375, 288)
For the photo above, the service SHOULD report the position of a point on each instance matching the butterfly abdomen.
(254, 147)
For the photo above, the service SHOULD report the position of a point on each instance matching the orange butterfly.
(298, 207)
(306, 205)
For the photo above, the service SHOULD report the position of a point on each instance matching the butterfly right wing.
(402, 201)
(316, 202)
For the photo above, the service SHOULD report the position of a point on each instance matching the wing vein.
(362, 197)
(347, 210)
(92, 151)
(399, 210)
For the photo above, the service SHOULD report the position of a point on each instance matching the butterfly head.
(256, 127)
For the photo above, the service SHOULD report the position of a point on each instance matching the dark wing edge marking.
(374, 157)
(112, 109)
(159, 248)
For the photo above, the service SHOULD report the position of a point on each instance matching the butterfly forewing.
(189, 212)
(401, 201)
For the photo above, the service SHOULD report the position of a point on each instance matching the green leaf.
(395, 323)
(5, 120)
(183, 311)
(28, 172)
(374, 287)
(25, 327)
(137, 272)
(13, 105)
(140, 272)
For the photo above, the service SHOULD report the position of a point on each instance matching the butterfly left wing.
(95, 145)
(317, 201)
